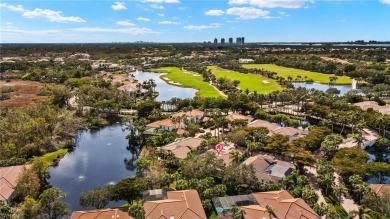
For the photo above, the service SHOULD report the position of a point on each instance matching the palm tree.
(237, 212)
(361, 213)
(270, 211)
(235, 156)
(339, 191)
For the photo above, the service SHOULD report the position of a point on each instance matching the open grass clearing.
(52, 157)
(252, 82)
(293, 72)
(178, 77)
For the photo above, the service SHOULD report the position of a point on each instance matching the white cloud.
(230, 21)
(202, 27)
(385, 1)
(54, 16)
(248, 13)
(125, 23)
(161, 15)
(156, 6)
(274, 3)
(169, 22)
(143, 19)
(17, 8)
(119, 6)
(29, 32)
(132, 30)
(214, 12)
(162, 1)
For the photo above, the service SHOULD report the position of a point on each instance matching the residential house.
(8, 181)
(268, 168)
(380, 189)
(181, 148)
(183, 204)
(110, 213)
(284, 206)
(166, 124)
(238, 116)
(274, 128)
(290, 132)
(246, 61)
(193, 115)
(263, 123)
(257, 206)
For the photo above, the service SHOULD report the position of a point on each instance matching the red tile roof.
(285, 206)
(8, 180)
(379, 189)
(184, 204)
(110, 213)
(180, 149)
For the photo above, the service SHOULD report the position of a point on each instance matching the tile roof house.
(195, 115)
(184, 204)
(110, 213)
(181, 148)
(268, 168)
(274, 128)
(285, 206)
(165, 124)
(8, 181)
(263, 123)
(237, 116)
(255, 212)
(379, 189)
(255, 206)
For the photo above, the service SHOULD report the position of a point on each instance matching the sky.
(98, 21)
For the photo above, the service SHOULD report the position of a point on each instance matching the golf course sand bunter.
(305, 75)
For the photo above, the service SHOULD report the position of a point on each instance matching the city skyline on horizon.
(169, 21)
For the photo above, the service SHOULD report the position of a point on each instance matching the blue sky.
(59, 21)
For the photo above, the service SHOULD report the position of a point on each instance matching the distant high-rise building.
(242, 40)
(222, 41)
(230, 40)
(215, 41)
(238, 41)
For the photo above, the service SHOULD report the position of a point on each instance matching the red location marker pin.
(219, 147)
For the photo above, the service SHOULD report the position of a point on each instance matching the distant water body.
(323, 87)
(166, 91)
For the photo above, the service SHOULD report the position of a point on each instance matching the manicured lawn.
(252, 82)
(51, 157)
(293, 72)
(188, 79)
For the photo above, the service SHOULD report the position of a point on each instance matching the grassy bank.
(52, 157)
(252, 82)
(178, 77)
(293, 72)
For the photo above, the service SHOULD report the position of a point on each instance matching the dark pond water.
(98, 159)
(166, 91)
(323, 87)
(374, 155)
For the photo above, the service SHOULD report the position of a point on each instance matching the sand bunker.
(266, 82)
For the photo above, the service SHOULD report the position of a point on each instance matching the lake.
(98, 159)
(166, 91)
(323, 87)
(375, 155)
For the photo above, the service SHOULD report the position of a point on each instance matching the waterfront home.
(193, 115)
(108, 213)
(183, 204)
(181, 148)
(380, 189)
(8, 181)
